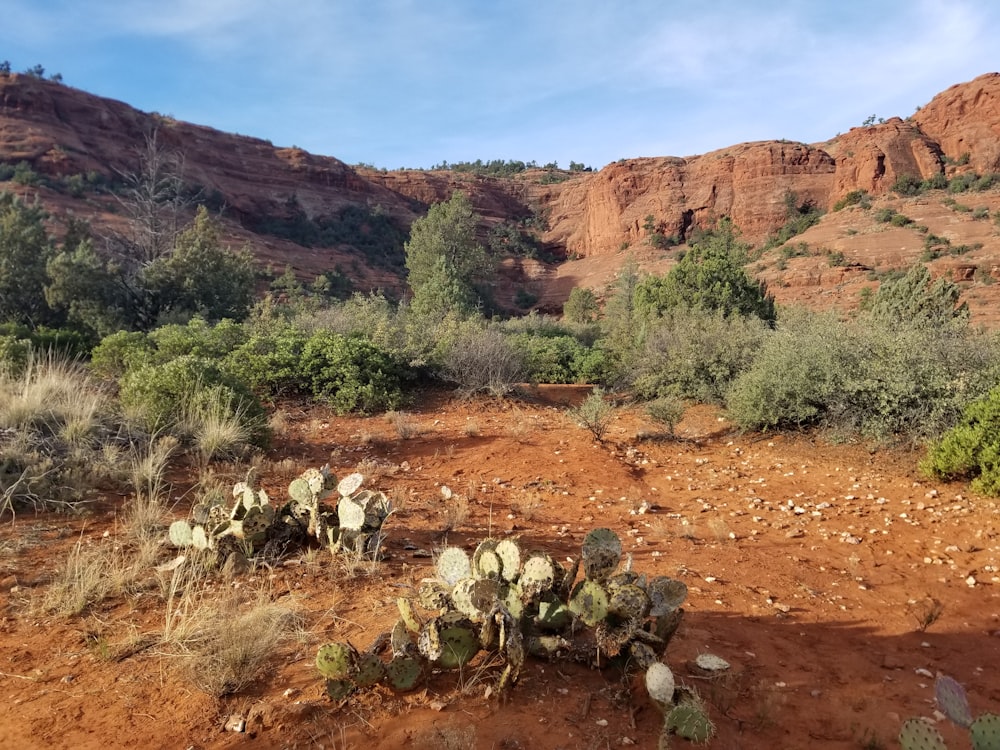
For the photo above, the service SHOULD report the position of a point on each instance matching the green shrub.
(696, 355)
(121, 352)
(971, 449)
(352, 374)
(14, 354)
(198, 338)
(907, 185)
(667, 412)
(162, 395)
(552, 359)
(853, 198)
(271, 362)
(595, 413)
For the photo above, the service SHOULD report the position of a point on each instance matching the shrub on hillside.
(162, 395)
(270, 362)
(971, 449)
(484, 361)
(352, 374)
(696, 355)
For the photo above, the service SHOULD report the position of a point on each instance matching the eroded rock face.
(965, 119)
(61, 131)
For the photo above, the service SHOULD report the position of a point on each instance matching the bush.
(162, 395)
(552, 359)
(121, 352)
(666, 411)
(697, 355)
(352, 374)
(971, 449)
(271, 362)
(873, 378)
(595, 413)
(198, 338)
(484, 361)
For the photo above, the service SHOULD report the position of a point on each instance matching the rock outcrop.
(63, 131)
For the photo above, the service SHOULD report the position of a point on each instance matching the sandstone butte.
(591, 216)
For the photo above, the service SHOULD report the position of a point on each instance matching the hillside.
(276, 199)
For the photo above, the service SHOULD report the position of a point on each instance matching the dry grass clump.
(55, 428)
(405, 425)
(96, 571)
(225, 636)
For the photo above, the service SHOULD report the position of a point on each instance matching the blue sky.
(409, 83)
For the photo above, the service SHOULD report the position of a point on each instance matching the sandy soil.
(812, 568)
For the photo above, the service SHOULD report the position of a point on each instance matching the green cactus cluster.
(506, 601)
(353, 524)
(248, 518)
(984, 731)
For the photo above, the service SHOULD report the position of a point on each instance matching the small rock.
(601, 722)
(795, 534)
(236, 723)
(924, 672)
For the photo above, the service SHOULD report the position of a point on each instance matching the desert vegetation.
(126, 357)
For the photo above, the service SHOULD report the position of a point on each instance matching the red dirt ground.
(810, 568)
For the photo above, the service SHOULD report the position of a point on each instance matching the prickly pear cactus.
(953, 701)
(510, 558)
(350, 484)
(689, 720)
(984, 732)
(589, 602)
(404, 673)
(602, 553)
(917, 734)
(665, 595)
(336, 661)
(453, 565)
(180, 534)
(660, 685)
(537, 576)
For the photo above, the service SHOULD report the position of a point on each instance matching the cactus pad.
(985, 732)
(602, 552)
(407, 614)
(335, 661)
(339, 690)
(660, 685)
(400, 640)
(461, 597)
(553, 616)
(917, 734)
(641, 654)
(589, 602)
(665, 595)
(350, 514)
(300, 491)
(199, 539)
(510, 558)
(433, 594)
(537, 575)
(370, 670)
(180, 534)
(487, 564)
(628, 601)
(453, 565)
(350, 484)
(953, 701)
(689, 720)
(459, 643)
(403, 673)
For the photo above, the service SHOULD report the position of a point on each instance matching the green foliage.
(798, 218)
(595, 413)
(710, 276)
(915, 299)
(120, 352)
(971, 449)
(200, 276)
(581, 306)
(696, 355)
(25, 248)
(445, 263)
(853, 198)
(370, 230)
(869, 377)
(352, 374)
(666, 411)
(270, 361)
(161, 395)
(86, 288)
(558, 359)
